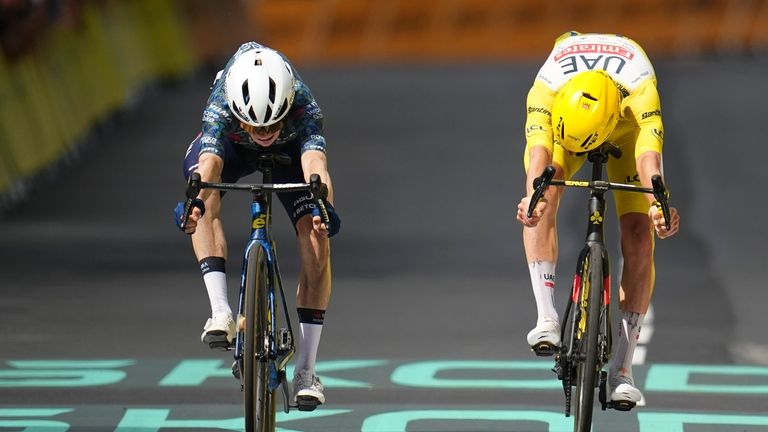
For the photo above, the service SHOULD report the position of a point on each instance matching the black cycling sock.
(212, 264)
(311, 316)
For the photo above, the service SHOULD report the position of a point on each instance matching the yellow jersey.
(626, 62)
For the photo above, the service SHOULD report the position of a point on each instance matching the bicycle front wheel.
(258, 399)
(587, 367)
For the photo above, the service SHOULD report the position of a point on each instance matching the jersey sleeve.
(214, 123)
(216, 117)
(538, 123)
(645, 105)
(310, 120)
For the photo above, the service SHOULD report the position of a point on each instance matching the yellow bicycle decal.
(596, 218)
(259, 222)
(584, 298)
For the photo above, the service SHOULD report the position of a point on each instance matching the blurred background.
(424, 103)
(69, 65)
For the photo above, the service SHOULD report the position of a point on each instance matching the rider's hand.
(522, 212)
(198, 210)
(335, 221)
(657, 220)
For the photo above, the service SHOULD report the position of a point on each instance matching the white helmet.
(259, 87)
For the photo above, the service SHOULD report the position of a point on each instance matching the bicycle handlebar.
(659, 191)
(316, 187)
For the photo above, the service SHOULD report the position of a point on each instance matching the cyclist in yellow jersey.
(595, 88)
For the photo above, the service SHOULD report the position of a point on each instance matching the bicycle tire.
(258, 400)
(587, 368)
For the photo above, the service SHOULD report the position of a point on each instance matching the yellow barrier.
(51, 97)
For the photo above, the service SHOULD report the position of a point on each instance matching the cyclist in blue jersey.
(258, 103)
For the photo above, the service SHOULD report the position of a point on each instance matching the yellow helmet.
(585, 111)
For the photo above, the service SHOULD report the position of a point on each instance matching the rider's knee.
(636, 238)
(310, 239)
(213, 205)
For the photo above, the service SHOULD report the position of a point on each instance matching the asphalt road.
(102, 304)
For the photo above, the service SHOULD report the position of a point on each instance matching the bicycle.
(264, 341)
(586, 335)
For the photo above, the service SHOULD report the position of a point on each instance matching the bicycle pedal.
(307, 403)
(544, 349)
(217, 340)
(220, 345)
(621, 405)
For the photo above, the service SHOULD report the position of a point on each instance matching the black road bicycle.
(586, 331)
(264, 343)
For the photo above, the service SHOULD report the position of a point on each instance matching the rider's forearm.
(315, 162)
(208, 239)
(209, 167)
(648, 165)
(539, 158)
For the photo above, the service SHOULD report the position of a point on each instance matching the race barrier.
(78, 75)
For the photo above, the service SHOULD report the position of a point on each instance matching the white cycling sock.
(624, 350)
(216, 285)
(309, 341)
(543, 283)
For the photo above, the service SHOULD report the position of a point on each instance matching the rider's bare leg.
(314, 290)
(634, 296)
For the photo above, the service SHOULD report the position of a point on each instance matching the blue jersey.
(302, 125)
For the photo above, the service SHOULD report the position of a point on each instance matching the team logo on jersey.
(651, 114)
(533, 129)
(595, 48)
(539, 110)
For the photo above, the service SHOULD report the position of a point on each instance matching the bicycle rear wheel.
(258, 400)
(587, 368)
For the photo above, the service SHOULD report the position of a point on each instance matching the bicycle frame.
(280, 347)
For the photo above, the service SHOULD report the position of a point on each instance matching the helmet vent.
(589, 96)
(246, 94)
(271, 90)
(282, 109)
(268, 114)
(257, 62)
(252, 113)
(586, 142)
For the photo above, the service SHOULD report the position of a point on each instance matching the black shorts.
(240, 161)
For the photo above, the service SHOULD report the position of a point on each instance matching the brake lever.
(661, 195)
(194, 184)
(540, 184)
(319, 194)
